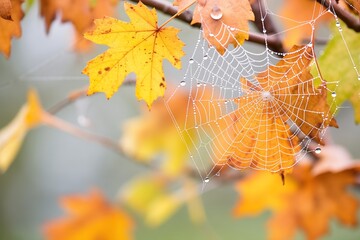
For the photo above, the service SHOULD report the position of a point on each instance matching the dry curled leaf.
(139, 46)
(90, 217)
(258, 134)
(218, 17)
(10, 28)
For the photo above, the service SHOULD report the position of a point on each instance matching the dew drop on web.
(318, 150)
(216, 13)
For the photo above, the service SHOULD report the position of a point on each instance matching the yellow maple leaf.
(90, 217)
(218, 17)
(12, 135)
(138, 46)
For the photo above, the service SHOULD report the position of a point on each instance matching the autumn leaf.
(307, 202)
(89, 217)
(297, 16)
(12, 135)
(5, 9)
(258, 134)
(218, 17)
(9, 28)
(139, 46)
(80, 13)
(342, 73)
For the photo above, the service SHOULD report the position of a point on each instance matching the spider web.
(221, 89)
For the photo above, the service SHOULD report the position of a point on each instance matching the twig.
(349, 19)
(166, 7)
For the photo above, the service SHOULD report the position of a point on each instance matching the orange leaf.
(90, 217)
(308, 203)
(5, 9)
(258, 134)
(10, 28)
(217, 17)
(297, 16)
(80, 13)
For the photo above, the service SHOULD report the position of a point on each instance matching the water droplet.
(340, 29)
(218, 174)
(198, 84)
(216, 13)
(211, 35)
(337, 24)
(232, 29)
(359, 78)
(206, 180)
(182, 83)
(196, 126)
(310, 45)
(191, 61)
(333, 94)
(318, 150)
(264, 31)
(205, 57)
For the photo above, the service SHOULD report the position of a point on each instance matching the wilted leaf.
(139, 46)
(297, 16)
(12, 136)
(308, 203)
(10, 28)
(213, 14)
(90, 217)
(258, 133)
(342, 72)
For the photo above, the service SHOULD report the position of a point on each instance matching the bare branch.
(272, 40)
(349, 19)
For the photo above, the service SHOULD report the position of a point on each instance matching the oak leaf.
(89, 217)
(12, 135)
(299, 17)
(258, 134)
(10, 28)
(308, 203)
(218, 17)
(138, 46)
(342, 78)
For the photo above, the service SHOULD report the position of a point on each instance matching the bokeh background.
(52, 163)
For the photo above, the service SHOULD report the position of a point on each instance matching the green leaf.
(337, 67)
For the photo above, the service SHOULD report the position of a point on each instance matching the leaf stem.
(177, 14)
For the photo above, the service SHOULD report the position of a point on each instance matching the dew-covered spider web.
(260, 109)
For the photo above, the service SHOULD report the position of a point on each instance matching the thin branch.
(258, 8)
(348, 18)
(166, 7)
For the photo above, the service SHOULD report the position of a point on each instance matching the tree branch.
(349, 19)
(166, 7)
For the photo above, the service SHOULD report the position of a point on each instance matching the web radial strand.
(245, 111)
